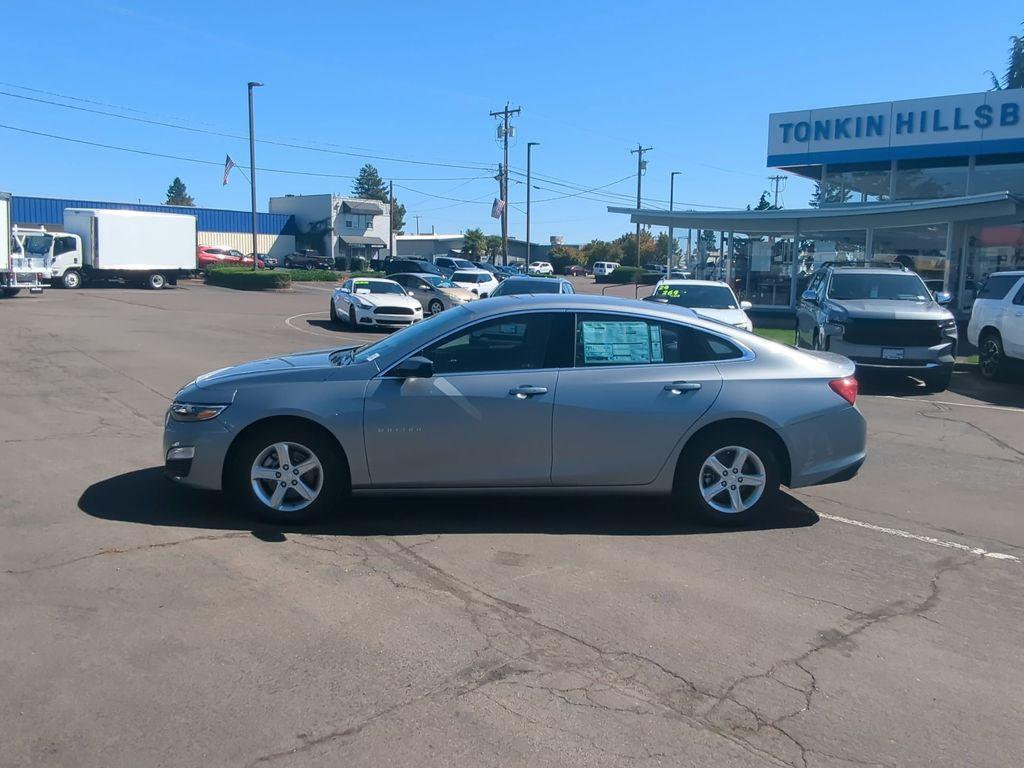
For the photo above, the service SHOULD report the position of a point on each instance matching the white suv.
(997, 323)
(540, 268)
(604, 268)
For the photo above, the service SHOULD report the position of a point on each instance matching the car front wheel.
(434, 307)
(729, 478)
(334, 313)
(287, 473)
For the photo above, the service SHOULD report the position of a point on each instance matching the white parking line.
(1007, 408)
(918, 537)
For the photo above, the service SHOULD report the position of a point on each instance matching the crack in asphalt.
(126, 550)
(942, 413)
(519, 651)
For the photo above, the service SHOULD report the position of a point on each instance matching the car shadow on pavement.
(968, 384)
(147, 498)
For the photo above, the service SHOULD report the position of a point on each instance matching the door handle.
(525, 391)
(678, 387)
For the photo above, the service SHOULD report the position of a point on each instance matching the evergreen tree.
(1014, 77)
(369, 185)
(763, 204)
(177, 193)
(829, 194)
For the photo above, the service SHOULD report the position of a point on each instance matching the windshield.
(376, 286)
(439, 282)
(410, 337)
(517, 287)
(700, 296)
(463, 264)
(895, 287)
(38, 244)
(470, 277)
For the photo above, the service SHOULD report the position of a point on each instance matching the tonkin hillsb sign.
(976, 123)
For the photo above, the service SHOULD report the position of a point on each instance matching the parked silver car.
(525, 393)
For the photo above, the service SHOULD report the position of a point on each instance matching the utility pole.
(641, 164)
(391, 219)
(252, 173)
(505, 131)
(777, 180)
(529, 147)
(671, 199)
(417, 224)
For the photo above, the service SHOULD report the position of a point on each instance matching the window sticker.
(668, 291)
(621, 343)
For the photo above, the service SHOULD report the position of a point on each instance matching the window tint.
(603, 340)
(997, 286)
(63, 245)
(512, 343)
(1019, 298)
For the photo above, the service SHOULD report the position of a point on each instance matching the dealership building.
(936, 184)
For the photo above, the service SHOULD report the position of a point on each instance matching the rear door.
(1013, 324)
(636, 387)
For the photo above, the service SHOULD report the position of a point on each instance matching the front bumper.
(368, 317)
(914, 358)
(203, 465)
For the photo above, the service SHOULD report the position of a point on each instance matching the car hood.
(302, 363)
(883, 309)
(727, 316)
(388, 299)
(460, 293)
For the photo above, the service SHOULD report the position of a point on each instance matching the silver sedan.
(541, 393)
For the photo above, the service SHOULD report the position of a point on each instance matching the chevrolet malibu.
(536, 393)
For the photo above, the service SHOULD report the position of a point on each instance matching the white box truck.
(153, 249)
(19, 267)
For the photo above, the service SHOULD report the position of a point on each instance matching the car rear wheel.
(729, 478)
(434, 307)
(155, 281)
(990, 356)
(334, 313)
(286, 473)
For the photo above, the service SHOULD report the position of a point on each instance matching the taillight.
(845, 388)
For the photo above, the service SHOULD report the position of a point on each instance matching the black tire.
(353, 323)
(334, 313)
(991, 358)
(71, 279)
(435, 306)
(691, 477)
(333, 473)
(155, 281)
(287, 263)
(10, 293)
(938, 381)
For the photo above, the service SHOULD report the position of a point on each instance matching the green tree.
(397, 215)
(601, 250)
(708, 238)
(492, 246)
(474, 243)
(177, 193)
(369, 185)
(1014, 77)
(627, 243)
(763, 204)
(828, 194)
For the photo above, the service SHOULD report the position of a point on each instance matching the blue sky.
(695, 80)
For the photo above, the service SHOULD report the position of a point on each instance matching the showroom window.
(990, 248)
(931, 178)
(998, 173)
(763, 270)
(856, 183)
(919, 249)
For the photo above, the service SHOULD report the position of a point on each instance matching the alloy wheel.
(435, 307)
(286, 477)
(732, 479)
(989, 357)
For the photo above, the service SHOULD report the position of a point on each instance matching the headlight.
(948, 327)
(361, 303)
(195, 411)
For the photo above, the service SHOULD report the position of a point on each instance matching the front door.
(482, 420)
(1013, 325)
(636, 389)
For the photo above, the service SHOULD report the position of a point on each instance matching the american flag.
(228, 165)
(497, 208)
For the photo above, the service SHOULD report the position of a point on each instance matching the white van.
(603, 268)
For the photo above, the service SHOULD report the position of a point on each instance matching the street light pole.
(529, 148)
(671, 200)
(252, 173)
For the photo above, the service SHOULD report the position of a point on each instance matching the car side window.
(511, 343)
(1019, 298)
(997, 286)
(612, 340)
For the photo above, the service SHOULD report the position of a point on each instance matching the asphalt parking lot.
(876, 622)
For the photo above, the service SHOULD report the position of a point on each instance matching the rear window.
(470, 277)
(997, 286)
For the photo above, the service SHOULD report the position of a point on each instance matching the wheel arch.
(989, 330)
(742, 423)
(282, 420)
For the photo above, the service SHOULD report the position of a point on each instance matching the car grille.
(393, 311)
(899, 333)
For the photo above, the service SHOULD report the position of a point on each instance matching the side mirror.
(410, 292)
(809, 296)
(416, 367)
(943, 297)
(344, 290)
(745, 305)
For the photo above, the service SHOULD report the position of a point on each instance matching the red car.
(576, 270)
(210, 256)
